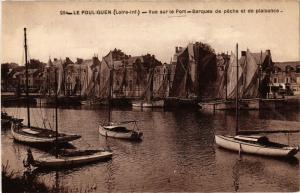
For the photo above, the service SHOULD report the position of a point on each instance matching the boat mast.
(152, 75)
(80, 81)
(26, 73)
(237, 92)
(226, 71)
(259, 74)
(110, 92)
(56, 122)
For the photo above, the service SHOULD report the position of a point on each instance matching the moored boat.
(119, 130)
(150, 104)
(72, 159)
(148, 100)
(35, 135)
(259, 145)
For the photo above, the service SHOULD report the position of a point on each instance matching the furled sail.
(179, 87)
(148, 92)
(60, 73)
(163, 89)
(251, 80)
(90, 89)
(195, 72)
(231, 76)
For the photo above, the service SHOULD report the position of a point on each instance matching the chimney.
(176, 49)
(95, 58)
(79, 60)
(243, 53)
(268, 52)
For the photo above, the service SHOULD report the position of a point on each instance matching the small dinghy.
(119, 130)
(259, 145)
(68, 159)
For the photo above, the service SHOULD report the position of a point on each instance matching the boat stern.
(293, 151)
(68, 138)
(136, 135)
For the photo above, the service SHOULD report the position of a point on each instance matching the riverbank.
(13, 182)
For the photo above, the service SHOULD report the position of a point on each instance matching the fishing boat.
(118, 129)
(35, 135)
(253, 144)
(150, 104)
(148, 100)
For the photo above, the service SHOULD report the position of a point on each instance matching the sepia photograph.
(150, 96)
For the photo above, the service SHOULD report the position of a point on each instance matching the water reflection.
(178, 152)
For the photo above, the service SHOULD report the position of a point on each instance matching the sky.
(52, 35)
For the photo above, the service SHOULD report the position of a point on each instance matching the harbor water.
(177, 153)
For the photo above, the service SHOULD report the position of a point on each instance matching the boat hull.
(152, 104)
(45, 100)
(228, 142)
(31, 139)
(133, 135)
(5, 124)
(53, 162)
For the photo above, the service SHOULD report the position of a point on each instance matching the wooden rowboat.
(35, 135)
(259, 145)
(72, 159)
(118, 130)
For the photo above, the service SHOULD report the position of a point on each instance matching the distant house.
(73, 78)
(286, 76)
(35, 79)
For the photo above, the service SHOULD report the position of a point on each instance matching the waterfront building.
(285, 77)
(73, 78)
(35, 79)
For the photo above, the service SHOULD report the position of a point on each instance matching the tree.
(4, 71)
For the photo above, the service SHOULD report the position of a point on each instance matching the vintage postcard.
(150, 96)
